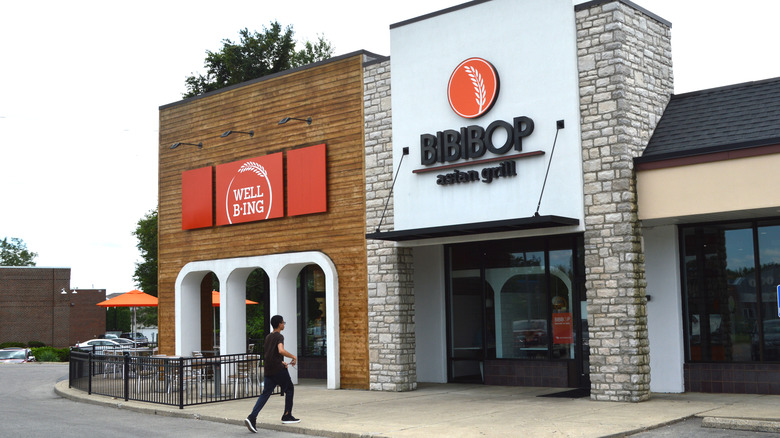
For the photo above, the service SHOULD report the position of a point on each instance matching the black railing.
(168, 380)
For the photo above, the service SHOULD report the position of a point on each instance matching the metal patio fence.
(169, 380)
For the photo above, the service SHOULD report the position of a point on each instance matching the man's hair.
(276, 320)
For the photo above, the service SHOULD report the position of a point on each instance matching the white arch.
(282, 270)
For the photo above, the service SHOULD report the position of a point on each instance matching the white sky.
(81, 83)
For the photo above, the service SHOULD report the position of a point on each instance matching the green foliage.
(13, 252)
(145, 275)
(13, 345)
(256, 288)
(258, 54)
(51, 354)
(118, 319)
(35, 344)
(146, 317)
(255, 322)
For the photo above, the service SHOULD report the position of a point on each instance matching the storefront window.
(769, 331)
(521, 306)
(510, 299)
(562, 301)
(729, 318)
(311, 311)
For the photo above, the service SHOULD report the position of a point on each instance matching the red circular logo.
(473, 88)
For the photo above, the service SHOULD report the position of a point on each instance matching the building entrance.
(513, 307)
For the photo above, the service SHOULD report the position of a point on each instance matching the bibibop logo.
(473, 88)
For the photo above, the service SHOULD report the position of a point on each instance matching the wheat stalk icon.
(257, 169)
(479, 85)
(251, 166)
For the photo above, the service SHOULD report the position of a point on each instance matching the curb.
(741, 424)
(61, 389)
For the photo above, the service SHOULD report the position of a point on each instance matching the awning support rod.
(558, 126)
(405, 153)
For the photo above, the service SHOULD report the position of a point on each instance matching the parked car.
(16, 355)
(101, 344)
(139, 338)
(111, 336)
(127, 343)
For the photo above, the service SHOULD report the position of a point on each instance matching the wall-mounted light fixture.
(178, 143)
(64, 292)
(287, 119)
(250, 133)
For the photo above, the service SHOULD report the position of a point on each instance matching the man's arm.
(286, 353)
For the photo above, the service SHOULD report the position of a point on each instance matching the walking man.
(275, 374)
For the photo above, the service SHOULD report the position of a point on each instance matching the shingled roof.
(717, 120)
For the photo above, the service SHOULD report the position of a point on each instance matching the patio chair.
(245, 371)
(194, 373)
(113, 363)
(143, 370)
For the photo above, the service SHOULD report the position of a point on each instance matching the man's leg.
(289, 390)
(269, 383)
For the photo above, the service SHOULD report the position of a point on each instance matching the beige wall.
(709, 188)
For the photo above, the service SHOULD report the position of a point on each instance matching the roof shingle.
(717, 120)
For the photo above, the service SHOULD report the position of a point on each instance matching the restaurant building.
(38, 304)
(486, 205)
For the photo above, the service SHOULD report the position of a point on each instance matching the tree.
(146, 271)
(13, 252)
(258, 54)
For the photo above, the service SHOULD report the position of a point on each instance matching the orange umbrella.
(215, 299)
(134, 298)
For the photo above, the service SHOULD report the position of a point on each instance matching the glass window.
(723, 304)
(311, 311)
(769, 330)
(520, 306)
(510, 299)
(562, 293)
(257, 285)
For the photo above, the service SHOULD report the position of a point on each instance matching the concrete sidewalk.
(456, 410)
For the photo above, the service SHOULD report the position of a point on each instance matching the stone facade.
(625, 75)
(391, 340)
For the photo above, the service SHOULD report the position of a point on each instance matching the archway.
(282, 270)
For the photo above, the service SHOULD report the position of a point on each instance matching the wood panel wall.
(332, 94)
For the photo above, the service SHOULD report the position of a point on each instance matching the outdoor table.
(166, 371)
(215, 362)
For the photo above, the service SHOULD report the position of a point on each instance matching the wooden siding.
(332, 94)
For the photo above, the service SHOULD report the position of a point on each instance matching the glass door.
(467, 321)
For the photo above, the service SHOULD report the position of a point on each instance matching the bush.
(12, 345)
(51, 354)
(35, 344)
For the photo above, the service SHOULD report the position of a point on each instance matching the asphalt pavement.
(459, 410)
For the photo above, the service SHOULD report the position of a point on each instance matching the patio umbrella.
(215, 299)
(135, 298)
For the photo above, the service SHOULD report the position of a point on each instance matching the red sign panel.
(307, 188)
(196, 198)
(473, 88)
(250, 190)
(563, 332)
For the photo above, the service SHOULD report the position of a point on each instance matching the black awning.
(526, 223)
